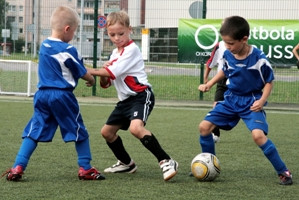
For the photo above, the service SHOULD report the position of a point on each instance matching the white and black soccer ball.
(205, 167)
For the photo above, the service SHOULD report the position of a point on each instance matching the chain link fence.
(171, 80)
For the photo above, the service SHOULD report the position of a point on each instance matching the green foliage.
(2, 15)
(19, 45)
(52, 170)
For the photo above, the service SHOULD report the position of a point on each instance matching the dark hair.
(236, 27)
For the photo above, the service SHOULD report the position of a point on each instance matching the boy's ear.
(245, 38)
(67, 28)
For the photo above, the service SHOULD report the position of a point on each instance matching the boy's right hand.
(89, 83)
(203, 88)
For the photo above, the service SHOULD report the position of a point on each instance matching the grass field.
(52, 170)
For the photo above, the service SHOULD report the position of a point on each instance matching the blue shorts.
(135, 107)
(226, 114)
(53, 107)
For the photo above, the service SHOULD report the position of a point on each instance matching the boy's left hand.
(257, 106)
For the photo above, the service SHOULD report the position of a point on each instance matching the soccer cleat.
(169, 168)
(120, 167)
(91, 174)
(286, 178)
(14, 174)
(216, 138)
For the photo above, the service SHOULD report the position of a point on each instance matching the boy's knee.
(205, 127)
(107, 135)
(259, 137)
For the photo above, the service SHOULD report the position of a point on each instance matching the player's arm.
(206, 75)
(207, 86)
(103, 74)
(259, 104)
(98, 72)
(90, 81)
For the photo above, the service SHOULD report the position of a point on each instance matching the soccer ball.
(205, 167)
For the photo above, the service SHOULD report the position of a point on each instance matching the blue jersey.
(249, 75)
(246, 80)
(59, 70)
(59, 65)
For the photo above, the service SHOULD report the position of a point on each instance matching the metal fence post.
(95, 43)
(201, 79)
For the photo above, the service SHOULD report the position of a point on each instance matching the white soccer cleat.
(169, 168)
(216, 138)
(120, 167)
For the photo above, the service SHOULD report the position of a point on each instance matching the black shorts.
(135, 107)
(220, 89)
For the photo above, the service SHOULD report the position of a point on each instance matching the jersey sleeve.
(75, 63)
(124, 62)
(212, 61)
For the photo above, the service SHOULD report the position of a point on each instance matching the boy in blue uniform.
(249, 81)
(60, 67)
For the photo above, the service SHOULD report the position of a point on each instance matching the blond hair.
(64, 16)
(120, 17)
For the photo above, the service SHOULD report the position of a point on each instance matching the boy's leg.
(22, 159)
(151, 143)
(216, 134)
(207, 144)
(125, 163)
(206, 138)
(84, 154)
(219, 96)
(119, 150)
(25, 152)
(86, 172)
(271, 153)
(256, 122)
(168, 165)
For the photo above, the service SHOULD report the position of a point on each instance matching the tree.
(3, 8)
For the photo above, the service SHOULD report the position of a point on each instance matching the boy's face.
(234, 46)
(119, 34)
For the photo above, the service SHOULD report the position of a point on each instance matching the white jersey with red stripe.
(216, 56)
(127, 72)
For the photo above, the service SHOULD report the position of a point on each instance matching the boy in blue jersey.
(60, 67)
(249, 82)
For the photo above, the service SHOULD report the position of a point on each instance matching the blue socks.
(25, 152)
(271, 153)
(84, 155)
(207, 144)
(29, 145)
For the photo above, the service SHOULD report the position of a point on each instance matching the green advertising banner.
(277, 38)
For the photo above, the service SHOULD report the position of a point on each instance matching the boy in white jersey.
(60, 67)
(125, 70)
(249, 81)
(215, 61)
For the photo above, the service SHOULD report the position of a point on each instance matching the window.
(12, 8)
(88, 17)
(20, 19)
(163, 44)
(11, 19)
(21, 8)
